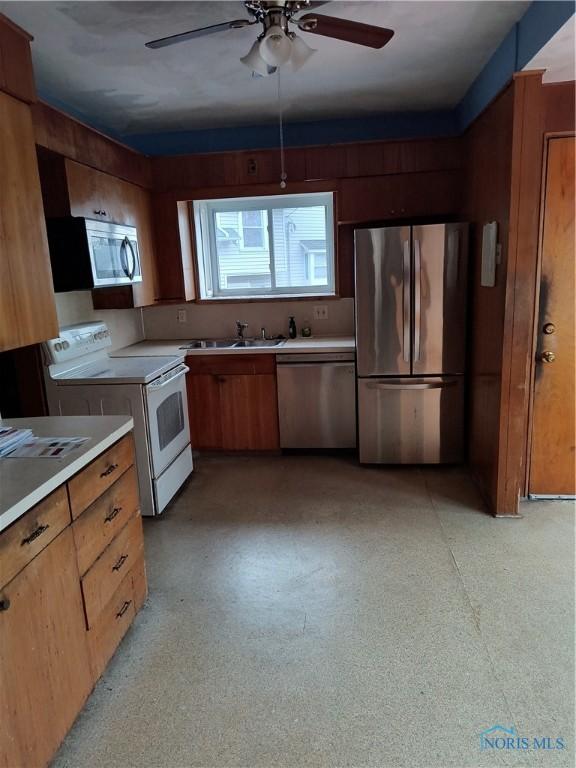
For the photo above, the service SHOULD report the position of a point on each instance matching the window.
(282, 245)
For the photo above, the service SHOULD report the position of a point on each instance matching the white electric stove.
(81, 379)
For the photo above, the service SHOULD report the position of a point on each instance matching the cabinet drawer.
(98, 476)
(240, 363)
(31, 533)
(111, 626)
(100, 523)
(107, 573)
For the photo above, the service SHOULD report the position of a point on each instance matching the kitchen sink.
(210, 344)
(231, 343)
(259, 343)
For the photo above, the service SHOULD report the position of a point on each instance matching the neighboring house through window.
(282, 245)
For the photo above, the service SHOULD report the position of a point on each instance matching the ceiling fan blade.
(202, 32)
(345, 29)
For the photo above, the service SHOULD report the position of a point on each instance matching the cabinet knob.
(548, 357)
(4, 604)
(549, 328)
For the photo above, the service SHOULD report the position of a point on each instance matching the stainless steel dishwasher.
(317, 400)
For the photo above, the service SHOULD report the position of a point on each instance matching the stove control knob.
(65, 344)
(57, 346)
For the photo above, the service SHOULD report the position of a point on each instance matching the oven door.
(114, 254)
(168, 429)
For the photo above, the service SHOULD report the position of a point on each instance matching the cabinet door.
(249, 412)
(45, 674)
(204, 411)
(97, 195)
(27, 305)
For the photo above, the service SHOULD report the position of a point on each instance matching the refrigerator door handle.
(417, 298)
(406, 301)
(415, 385)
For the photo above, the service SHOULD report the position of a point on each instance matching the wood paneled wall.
(489, 152)
(62, 134)
(504, 156)
(321, 163)
(559, 107)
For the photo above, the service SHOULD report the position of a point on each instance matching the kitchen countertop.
(291, 346)
(25, 482)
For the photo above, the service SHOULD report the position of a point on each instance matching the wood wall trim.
(521, 289)
(60, 133)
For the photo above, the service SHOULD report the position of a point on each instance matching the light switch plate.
(181, 316)
(320, 312)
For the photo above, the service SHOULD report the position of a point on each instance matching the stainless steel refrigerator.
(411, 337)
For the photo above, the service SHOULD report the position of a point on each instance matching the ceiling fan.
(277, 44)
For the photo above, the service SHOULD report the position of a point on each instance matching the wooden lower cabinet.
(69, 590)
(249, 412)
(233, 403)
(45, 674)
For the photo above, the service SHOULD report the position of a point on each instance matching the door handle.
(417, 298)
(417, 385)
(132, 269)
(547, 356)
(406, 301)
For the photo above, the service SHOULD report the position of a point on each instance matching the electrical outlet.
(181, 316)
(320, 312)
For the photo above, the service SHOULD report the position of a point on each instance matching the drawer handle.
(34, 535)
(112, 515)
(124, 608)
(120, 562)
(4, 604)
(109, 470)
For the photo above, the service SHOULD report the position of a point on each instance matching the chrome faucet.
(263, 333)
(240, 328)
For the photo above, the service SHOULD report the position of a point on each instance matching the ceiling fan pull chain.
(283, 175)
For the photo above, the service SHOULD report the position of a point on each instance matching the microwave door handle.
(123, 257)
(129, 247)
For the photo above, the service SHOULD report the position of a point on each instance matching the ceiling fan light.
(275, 47)
(301, 52)
(254, 61)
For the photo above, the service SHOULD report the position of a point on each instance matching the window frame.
(203, 212)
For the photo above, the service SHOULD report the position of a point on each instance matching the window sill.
(252, 299)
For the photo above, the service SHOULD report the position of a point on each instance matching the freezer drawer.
(317, 405)
(411, 421)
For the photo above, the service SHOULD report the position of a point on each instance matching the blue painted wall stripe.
(541, 21)
(371, 128)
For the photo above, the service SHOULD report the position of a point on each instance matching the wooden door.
(44, 671)
(203, 391)
(27, 304)
(249, 412)
(552, 465)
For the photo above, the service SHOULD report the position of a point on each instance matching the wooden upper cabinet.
(16, 74)
(27, 304)
(175, 248)
(73, 189)
(399, 196)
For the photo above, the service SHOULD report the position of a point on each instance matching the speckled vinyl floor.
(304, 611)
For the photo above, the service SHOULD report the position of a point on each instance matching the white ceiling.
(557, 57)
(91, 57)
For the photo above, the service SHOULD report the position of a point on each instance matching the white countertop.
(25, 482)
(291, 346)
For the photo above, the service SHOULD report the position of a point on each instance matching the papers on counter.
(10, 438)
(32, 447)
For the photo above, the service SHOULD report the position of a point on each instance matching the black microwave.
(88, 254)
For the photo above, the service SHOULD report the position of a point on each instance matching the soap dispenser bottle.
(292, 332)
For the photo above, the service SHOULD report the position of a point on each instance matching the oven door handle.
(182, 370)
